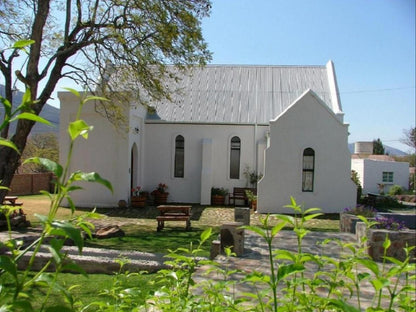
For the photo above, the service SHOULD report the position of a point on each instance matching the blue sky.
(371, 42)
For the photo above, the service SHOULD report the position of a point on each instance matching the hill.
(49, 112)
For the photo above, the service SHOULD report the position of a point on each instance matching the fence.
(30, 183)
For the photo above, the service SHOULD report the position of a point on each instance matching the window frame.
(308, 170)
(234, 169)
(179, 157)
(387, 177)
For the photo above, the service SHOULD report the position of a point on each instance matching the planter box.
(138, 201)
(376, 238)
(347, 222)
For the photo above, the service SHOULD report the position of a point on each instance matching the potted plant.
(218, 196)
(252, 199)
(138, 197)
(160, 195)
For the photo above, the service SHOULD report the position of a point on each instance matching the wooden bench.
(173, 213)
(239, 193)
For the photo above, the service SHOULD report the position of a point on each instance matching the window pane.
(307, 181)
(235, 158)
(387, 176)
(179, 156)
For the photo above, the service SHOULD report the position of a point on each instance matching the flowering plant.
(361, 210)
(135, 191)
(389, 224)
(161, 188)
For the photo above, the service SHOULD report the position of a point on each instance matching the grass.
(146, 239)
(85, 288)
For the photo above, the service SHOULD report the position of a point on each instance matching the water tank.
(363, 148)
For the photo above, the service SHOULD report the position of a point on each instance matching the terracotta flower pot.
(217, 200)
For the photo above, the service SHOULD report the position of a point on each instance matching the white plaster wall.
(159, 156)
(372, 174)
(105, 152)
(307, 123)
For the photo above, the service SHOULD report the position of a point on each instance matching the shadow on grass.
(148, 212)
(146, 239)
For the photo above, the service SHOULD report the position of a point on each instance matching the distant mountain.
(388, 149)
(49, 112)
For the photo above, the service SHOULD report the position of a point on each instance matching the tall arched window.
(308, 170)
(179, 157)
(235, 151)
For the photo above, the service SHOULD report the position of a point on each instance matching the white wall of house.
(308, 123)
(212, 139)
(370, 174)
(105, 152)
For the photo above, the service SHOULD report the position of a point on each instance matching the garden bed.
(376, 238)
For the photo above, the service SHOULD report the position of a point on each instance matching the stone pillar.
(215, 249)
(242, 214)
(232, 235)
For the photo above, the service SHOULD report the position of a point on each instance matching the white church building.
(283, 122)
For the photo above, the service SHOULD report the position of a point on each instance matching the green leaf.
(8, 265)
(287, 269)
(91, 177)
(206, 234)
(77, 128)
(312, 216)
(7, 105)
(71, 232)
(8, 143)
(23, 43)
(31, 116)
(255, 229)
(48, 164)
(344, 306)
(73, 91)
(380, 283)
(277, 228)
(369, 264)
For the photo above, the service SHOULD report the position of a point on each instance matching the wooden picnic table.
(173, 213)
(11, 200)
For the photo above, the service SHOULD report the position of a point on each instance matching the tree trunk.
(9, 158)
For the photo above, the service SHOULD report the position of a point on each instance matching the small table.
(173, 213)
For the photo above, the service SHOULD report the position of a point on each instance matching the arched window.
(235, 151)
(308, 170)
(179, 156)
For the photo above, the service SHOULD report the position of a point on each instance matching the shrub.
(389, 224)
(396, 190)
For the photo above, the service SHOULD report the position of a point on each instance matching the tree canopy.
(409, 138)
(82, 39)
(378, 147)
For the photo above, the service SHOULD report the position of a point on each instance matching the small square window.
(387, 177)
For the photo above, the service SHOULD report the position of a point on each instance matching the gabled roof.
(242, 94)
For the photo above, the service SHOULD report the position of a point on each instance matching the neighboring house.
(285, 122)
(378, 172)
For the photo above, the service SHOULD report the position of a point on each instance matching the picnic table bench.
(173, 213)
(239, 193)
(11, 201)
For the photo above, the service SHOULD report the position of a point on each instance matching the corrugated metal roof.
(243, 94)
